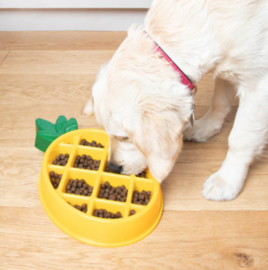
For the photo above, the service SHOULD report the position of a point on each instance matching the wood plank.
(3, 55)
(55, 62)
(61, 40)
(182, 240)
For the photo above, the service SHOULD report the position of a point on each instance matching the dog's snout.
(115, 168)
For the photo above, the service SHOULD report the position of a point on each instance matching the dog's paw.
(203, 130)
(88, 109)
(218, 189)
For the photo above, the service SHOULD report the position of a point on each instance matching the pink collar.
(184, 79)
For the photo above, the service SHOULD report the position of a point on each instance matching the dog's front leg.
(210, 124)
(247, 139)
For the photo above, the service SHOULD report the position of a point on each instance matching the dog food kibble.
(93, 143)
(132, 212)
(79, 187)
(141, 198)
(102, 213)
(109, 192)
(86, 162)
(61, 160)
(55, 179)
(82, 208)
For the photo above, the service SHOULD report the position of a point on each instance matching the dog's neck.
(191, 46)
(184, 79)
(191, 67)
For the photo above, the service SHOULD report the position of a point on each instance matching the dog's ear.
(159, 137)
(89, 108)
(99, 84)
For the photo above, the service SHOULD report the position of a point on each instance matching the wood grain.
(3, 55)
(47, 74)
(55, 62)
(65, 40)
(182, 240)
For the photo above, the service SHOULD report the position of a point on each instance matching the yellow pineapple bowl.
(82, 210)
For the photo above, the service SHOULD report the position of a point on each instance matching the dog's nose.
(115, 168)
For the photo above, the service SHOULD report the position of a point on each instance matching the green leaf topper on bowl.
(47, 132)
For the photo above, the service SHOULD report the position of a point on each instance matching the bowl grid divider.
(91, 200)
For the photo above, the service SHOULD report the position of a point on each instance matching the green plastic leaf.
(70, 125)
(47, 135)
(42, 124)
(60, 124)
(46, 132)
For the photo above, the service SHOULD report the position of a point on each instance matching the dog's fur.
(144, 107)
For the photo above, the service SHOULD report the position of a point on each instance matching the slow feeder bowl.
(84, 226)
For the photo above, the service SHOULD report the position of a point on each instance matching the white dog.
(141, 101)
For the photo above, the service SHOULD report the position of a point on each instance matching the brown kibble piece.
(107, 184)
(132, 212)
(141, 198)
(85, 185)
(103, 213)
(113, 193)
(61, 160)
(118, 215)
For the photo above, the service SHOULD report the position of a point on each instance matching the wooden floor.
(46, 74)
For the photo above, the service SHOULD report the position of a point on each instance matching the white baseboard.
(75, 4)
(69, 19)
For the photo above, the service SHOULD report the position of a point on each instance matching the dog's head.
(140, 101)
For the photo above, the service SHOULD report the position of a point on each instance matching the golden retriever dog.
(141, 100)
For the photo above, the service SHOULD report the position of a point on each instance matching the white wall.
(69, 19)
(93, 15)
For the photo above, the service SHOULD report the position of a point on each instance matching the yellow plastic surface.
(84, 226)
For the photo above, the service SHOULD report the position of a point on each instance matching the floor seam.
(4, 59)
